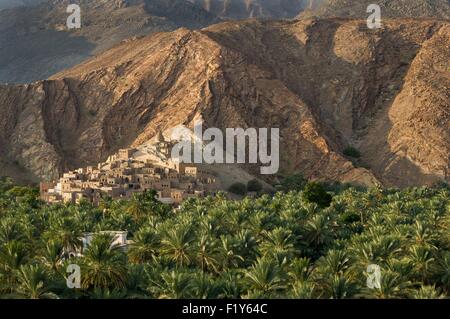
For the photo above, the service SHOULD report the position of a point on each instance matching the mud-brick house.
(137, 165)
(113, 180)
(70, 176)
(71, 186)
(141, 178)
(121, 171)
(164, 193)
(151, 170)
(124, 164)
(90, 169)
(199, 193)
(52, 198)
(187, 186)
(125, 154)
(95, 175)
(177, 195)
(86, 194)
(68, 197)
(209, 180)
(103, 178)
(172, 175)
(162, 146)
(90, 184)
(112, 191)
(149, 179)
(196, 172)
(163, 185)
(179, 167)
(44, 187)
(111, 166)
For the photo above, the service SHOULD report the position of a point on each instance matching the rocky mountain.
(439, 9)
(244, 9)
(36, 43)
(327, 84)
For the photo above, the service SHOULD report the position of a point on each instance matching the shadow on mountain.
(32, 57)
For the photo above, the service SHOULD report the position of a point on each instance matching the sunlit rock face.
(326, 83)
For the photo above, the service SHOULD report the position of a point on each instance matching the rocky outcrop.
(244, 9)
(35, 42)
(326, 84)
(390, 9)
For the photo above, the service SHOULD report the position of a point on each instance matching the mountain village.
(133, 171)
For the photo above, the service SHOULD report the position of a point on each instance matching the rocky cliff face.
(243, 9)
(326, 83)
(35, 42)
(437, 9)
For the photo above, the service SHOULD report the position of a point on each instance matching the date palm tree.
(302, 290)
(270, 247)
(13, 255)
(421, 259)
(278, 243)
(339, 287)
(106, 293)
(144, 204)
(205, 252)
(246, 245)
(203, 286)
(441, 271)
(175, 284)
(227, 253)
(177, 244)
(136, 208)
(66, 231)
(137, 282)
(427, 292)
(11, 229)
(393, 285)
(335, 262)
(52, 255)
(300, 269)
(264, 277)
(146, 245)
(103, 264)
(317, 232)
(33, 283)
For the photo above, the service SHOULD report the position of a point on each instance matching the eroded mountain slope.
(243, 9)
(326, 83)
(437, 9)
(35, 42)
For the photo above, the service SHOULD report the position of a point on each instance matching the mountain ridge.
(241, 75)
(35, 42)
(437, 9)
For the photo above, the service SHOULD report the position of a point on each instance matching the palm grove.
(294, 244)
